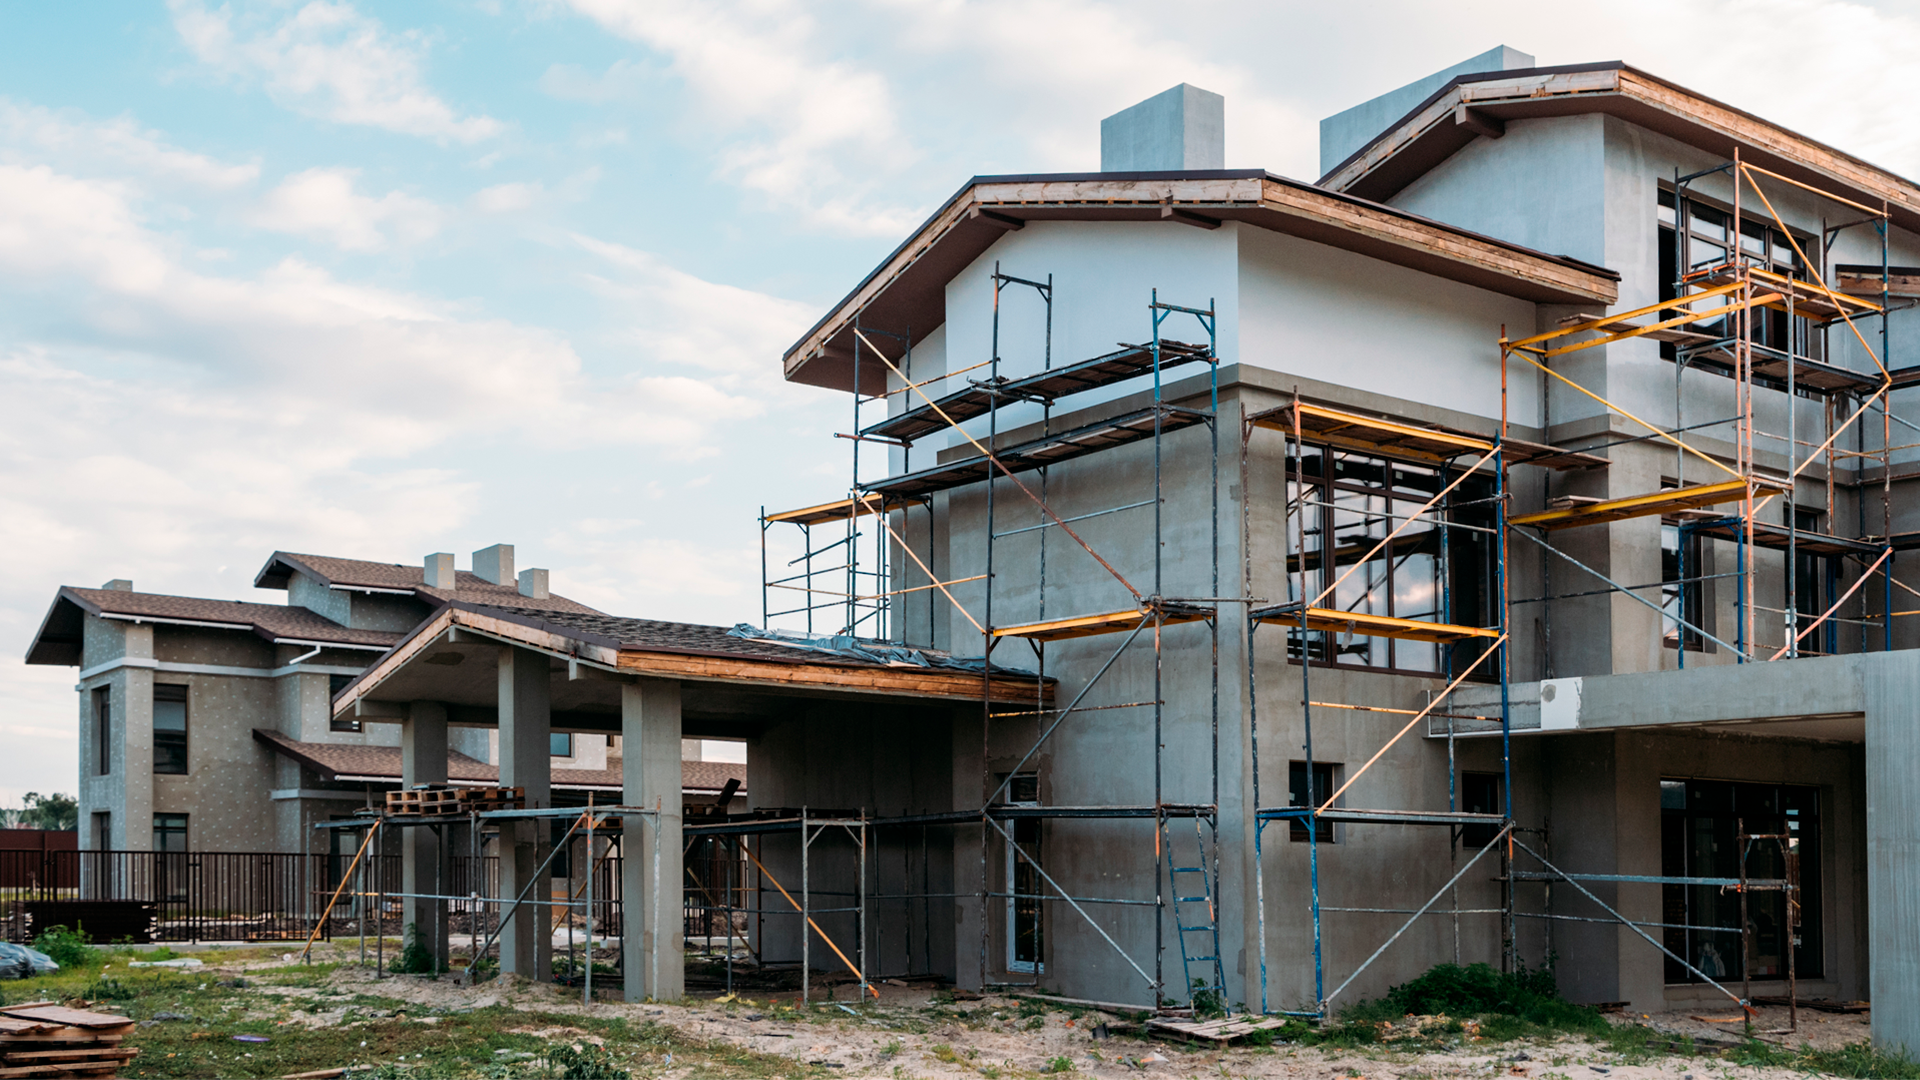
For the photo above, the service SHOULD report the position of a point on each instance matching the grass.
(382, 1038)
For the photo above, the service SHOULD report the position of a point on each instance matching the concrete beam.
(423, 851)
(526, 722)
(652, 950)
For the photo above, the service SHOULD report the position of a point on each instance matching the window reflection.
(1420, 574)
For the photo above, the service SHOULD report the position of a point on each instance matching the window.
(1682, 597)
(1816, 583)
(1480, 794)
(1704, 243)
(170, 832)
(560, 744)
(102, 730)
(335, 684)
(1700, 824)
(1323, 784)
(102, 831)
(1357, 500)
(562, 864)
(169, 728)
(1025, 901)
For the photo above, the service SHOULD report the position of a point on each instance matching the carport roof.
(381, 764)
(624, 647)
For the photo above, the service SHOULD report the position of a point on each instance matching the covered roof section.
(591, 655)
(909, 288)
(61, 632)
(335, 762)
(1482, 103)
(360, 575)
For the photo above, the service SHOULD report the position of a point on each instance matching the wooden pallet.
(43, 1039)
(444, 801)
(1218, 1031)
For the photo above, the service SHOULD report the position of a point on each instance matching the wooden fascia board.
(561, 646)
(930, 234)
(1817, 158)
(1616, 91)
(891, 682)
(422, 637)
(1249, 198)
(1428, 242)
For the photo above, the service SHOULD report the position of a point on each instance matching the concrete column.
(423, 849)
(526, 724)
(652, 946)
(1890, 685)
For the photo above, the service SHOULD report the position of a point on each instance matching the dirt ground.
(911, 1032)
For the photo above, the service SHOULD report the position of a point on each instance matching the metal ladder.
(1198, 876)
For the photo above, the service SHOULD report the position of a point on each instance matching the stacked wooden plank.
(442, 801)
(48, 1040)
(1221, 1031)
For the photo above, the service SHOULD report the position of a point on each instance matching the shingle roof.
(273, 621)
(335, 761)
(619, 632)
(359, 573)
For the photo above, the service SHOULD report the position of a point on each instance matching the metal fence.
(197, 896)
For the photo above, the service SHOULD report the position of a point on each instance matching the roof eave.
(1428, 135)
(986, 207)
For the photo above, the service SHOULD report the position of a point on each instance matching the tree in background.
(39, 811)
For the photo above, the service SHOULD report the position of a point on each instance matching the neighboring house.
(205, 723)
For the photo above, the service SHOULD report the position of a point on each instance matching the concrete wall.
(889, 763)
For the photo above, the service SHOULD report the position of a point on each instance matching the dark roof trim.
(905, 288)
(1454, 84)
(1419, 141)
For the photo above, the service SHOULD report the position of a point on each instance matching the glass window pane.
(560, 744)
(1708, 222)
(1701, 254)
(170, 716)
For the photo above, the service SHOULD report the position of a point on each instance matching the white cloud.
(570, 82)
(322, 203)
(506, 198)
(329, 60)
(805, 128)
(30, 132)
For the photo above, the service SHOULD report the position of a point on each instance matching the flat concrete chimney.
(119, 584)
(1183, 129)
(440, 571)
(494, 564)
(533, 584)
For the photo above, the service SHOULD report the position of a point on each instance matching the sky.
(382, 280)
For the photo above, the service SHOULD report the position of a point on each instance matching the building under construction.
(1256, 591)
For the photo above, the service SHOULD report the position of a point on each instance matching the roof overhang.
(1482, 103)
(908, 290)
(588, 669)
(62, 633)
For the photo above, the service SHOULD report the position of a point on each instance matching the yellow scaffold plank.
(1336, 621)
(1660, 502)
(1112, 622)
(838, 510)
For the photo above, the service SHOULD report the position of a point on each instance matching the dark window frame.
(1481, 793)
(335, 684)
(1326, 776)
(1461, 590)
(1698, 819)
(168, 826)
(103, 731)
(174, 761)
(1761, 244)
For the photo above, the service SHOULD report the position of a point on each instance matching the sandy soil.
(906, 1034)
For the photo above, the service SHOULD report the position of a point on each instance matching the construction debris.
(43, 1039)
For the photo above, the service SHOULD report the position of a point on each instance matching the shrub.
(414, 958)
(68, 948)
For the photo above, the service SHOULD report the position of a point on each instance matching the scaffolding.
(1183, 899)
(1765, 315)
(1739, 316)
